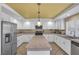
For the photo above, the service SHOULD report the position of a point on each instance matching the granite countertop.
(75, 39)
(36, 44)
(20, 34)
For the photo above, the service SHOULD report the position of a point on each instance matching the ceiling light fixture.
(38, 10)
(39, 23)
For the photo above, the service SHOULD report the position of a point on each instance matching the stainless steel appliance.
(8, 38)
(74, 48)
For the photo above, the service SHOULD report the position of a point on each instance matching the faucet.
(73, 32)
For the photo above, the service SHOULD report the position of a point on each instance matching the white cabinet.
(49, 37)
(24, 38)
(64, 44)
(60, 24)
(70, 28)
(77, 28)
(19, 40)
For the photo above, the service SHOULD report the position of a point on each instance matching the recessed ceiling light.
(27, 23)
(49, 23)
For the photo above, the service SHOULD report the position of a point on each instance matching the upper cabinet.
(72, 26)
(60, 24)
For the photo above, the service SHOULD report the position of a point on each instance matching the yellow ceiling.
(30, 10)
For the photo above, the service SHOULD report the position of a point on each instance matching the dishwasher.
(74, 48)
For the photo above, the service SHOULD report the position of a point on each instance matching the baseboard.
(22, 43)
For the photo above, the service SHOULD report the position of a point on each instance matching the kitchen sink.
(66, 36)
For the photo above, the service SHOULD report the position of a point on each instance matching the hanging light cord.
(38, 11)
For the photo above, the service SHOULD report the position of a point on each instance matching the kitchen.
(41, 33)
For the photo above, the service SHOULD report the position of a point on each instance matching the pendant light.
(39, 23)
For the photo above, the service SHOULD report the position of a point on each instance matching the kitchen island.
(38, 46)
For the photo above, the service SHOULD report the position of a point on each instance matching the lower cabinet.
(19, 40)
(49, 37)
(63, 43)
(24, 38)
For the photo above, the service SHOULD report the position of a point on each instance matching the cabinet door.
(49, 37)
(66, 45)
(53, 37)
(56, 39)
(59, 41)
(77, 28)
(70, 28)
(19, 40)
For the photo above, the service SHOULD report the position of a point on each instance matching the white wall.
(11, 15)
(6, 17)
(18, 22)
(34, 21)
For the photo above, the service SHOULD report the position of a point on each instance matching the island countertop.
(39, 42)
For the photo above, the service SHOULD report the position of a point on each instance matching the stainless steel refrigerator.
(8, 38)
